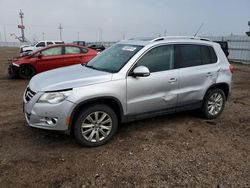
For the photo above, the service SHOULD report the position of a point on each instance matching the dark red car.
(52, 57)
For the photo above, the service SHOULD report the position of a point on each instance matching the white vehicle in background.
(41, 44)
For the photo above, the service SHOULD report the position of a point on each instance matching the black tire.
(26, 71)
(83, 117)
(208, 114)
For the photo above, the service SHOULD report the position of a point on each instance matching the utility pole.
(22, 27)
(248, 32)
(100, 34)
(60, 28)
(4, 32)
(165, 33)
(78, 36)
(43, 35)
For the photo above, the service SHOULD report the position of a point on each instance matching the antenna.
(199, 29)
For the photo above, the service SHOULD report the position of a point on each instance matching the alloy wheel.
(96, 126)
(215, 103)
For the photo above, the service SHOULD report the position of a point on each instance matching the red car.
(52, 57)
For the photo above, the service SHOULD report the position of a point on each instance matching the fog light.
(50, 121)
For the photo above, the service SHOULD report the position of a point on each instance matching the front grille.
(29, 94)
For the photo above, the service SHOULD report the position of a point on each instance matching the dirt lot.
(171, 151)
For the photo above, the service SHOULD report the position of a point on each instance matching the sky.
(113, 20)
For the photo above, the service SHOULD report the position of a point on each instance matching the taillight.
(231, 68)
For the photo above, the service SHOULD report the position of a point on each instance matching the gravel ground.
(180, 150)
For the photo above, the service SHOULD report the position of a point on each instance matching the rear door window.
(189, 55)
(72, 50)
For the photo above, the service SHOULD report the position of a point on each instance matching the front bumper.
(47, 116)
(13, 70)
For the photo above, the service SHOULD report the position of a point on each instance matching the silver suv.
(133, 79)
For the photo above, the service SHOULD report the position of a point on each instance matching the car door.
(198, 71)
(158, 91)
(50, 58)
(73, 55)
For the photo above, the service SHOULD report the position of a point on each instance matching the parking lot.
(174, 150)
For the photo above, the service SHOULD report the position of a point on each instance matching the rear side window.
(189, 55)
(49, 43)
(84, 50)
(72, 50)
(59, 42)
(208, 55)
(52, 51)
(158, 59)
(41, 44)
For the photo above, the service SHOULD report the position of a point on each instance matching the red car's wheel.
(26, 71)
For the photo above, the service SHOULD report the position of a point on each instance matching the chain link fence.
(239, 46)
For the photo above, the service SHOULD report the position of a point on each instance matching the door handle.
(209, 74)
(172, 80)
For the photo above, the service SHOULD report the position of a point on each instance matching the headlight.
(54, 97)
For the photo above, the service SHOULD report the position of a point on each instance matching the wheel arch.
(223, 86)
(112, 102)
(28, 64)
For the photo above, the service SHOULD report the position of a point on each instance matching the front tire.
(26, 71)
(213, 103)
(95, 125)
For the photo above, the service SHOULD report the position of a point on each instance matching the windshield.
(114, 58)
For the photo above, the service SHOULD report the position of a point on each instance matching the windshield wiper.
(89, 66)
(92, 67)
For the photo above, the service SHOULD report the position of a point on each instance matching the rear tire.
(26, 71)
(95, 125)
(213, 103)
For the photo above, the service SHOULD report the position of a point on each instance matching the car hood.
(68, 77)
(18, 60)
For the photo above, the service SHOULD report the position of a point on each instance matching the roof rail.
(178, 37)
(142, 38)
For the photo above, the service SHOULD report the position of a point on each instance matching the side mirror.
(141, 71)
(39, 56)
